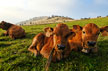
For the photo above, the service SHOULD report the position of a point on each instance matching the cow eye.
(83, 32)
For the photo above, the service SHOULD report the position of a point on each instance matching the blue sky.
(18, 10)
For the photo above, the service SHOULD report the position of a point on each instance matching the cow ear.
(104, 30)
(77, 27)
(45, 29)
(73, 33)
(48, 31)
(70, 35)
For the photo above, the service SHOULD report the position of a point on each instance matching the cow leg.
(33, 49)
(37, 44)
(5, 33)
(11, 36)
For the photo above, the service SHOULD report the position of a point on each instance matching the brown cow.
(12, 30)
(104, 31)
(57, 39)
(40, 40)
(86, 37)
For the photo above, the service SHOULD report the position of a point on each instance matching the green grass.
(14, 55)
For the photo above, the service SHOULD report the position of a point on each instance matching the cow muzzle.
(91, 43)
(61, 47)
(89, 50)
(85, 50)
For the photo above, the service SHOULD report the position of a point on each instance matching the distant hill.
(45, 20)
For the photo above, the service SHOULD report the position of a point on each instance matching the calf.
(40, 40)
(104, 31)
(12, 30)
(57, 38)
(86, 37)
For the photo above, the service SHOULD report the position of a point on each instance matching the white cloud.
(48, 5)
(17, 10)
(24, 9)
(12, 3)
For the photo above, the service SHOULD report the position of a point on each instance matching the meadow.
(14, 55)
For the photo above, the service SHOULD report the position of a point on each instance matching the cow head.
(90, 33)
(4, 25)
(76, 28)
(104, 31)
(61, 35)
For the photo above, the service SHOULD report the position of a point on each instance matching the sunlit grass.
(14, 55)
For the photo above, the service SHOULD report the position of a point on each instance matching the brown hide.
(12, 30)
(104, 31)
(76, 41)
(57, 38)
(86, 38)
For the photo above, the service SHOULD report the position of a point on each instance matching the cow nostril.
(60, 47)
(91, 43)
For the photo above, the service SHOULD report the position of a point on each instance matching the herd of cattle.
(60, 38)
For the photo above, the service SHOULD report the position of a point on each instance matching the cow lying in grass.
(12, 30)
(86, 37)
(56, 38)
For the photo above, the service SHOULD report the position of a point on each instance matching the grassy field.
(14, 55)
